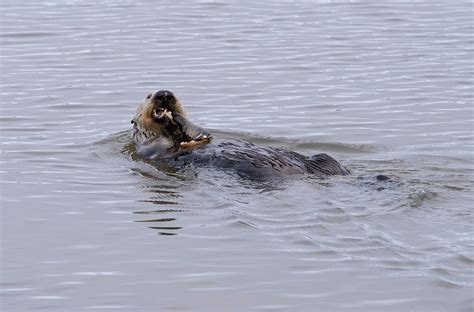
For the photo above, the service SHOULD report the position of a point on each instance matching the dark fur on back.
(255, 161)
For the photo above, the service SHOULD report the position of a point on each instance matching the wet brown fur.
(144, 115)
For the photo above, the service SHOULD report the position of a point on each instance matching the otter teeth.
(161, 114)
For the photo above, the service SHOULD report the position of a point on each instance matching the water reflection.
(164, 225)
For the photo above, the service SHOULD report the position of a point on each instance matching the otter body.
(162, 131)
(254, 161)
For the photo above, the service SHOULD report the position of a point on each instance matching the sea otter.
(162, 131)
(160, 128)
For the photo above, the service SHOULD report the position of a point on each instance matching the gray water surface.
(386, 88)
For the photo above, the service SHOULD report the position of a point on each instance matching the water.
(383, 87)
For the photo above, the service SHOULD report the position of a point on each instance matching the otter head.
(163, 102)
(157, 107)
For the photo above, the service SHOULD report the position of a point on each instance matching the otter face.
(163, 102)
(154, 111)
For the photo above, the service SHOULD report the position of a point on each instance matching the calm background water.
(383, 87)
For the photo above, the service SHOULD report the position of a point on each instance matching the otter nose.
(163, 96)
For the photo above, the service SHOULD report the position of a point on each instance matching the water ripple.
(385, 93)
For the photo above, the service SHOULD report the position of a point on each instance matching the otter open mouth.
(159, 114)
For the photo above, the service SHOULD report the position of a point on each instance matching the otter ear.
(149, 96)
(133, 122)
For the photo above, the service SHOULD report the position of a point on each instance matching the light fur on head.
(143, 117)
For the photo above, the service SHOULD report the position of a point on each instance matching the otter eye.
(148, 96)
